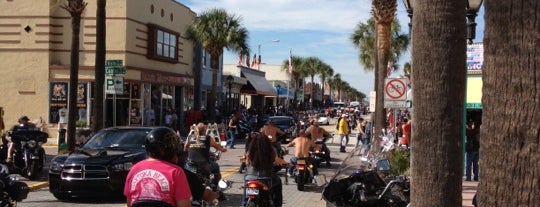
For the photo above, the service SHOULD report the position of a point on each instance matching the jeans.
(344, 141)
(472, 161)
(230, 141)
(366, 142)
(276, 190)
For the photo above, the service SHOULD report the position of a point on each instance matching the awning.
(257, 84)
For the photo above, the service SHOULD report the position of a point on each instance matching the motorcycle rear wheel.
(300, 181)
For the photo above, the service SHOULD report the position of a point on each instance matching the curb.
(39, 185)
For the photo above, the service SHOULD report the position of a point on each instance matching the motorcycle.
(363, 184)
(318, 156)
(12, 190)
(214, 180)
(28, 155)
(258, 193)
(303, 173)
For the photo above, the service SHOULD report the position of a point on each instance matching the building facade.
(146, 38)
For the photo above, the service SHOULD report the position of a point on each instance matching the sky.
(319, 28)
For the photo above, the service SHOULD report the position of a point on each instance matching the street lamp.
(409, 7)
(230, 78)
(472, 9)
(259, 50)
(278, 88)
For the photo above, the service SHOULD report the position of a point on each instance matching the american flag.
(290, 61)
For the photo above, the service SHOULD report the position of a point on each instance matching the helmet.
(162, 143)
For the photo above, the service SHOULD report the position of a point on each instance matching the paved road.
(40, 196)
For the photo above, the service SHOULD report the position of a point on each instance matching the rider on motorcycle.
(315, 131)
(302, 144)
(198, 148)
(145, 179)
(261, 158)
(24, 125)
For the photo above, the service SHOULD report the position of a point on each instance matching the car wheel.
(61, 196)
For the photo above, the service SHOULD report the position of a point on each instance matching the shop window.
(162, 44)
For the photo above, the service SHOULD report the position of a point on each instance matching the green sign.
(474, 106)
(114, 67)
(114, 63)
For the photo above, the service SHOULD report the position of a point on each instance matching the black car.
(100, 166)
(287, 125)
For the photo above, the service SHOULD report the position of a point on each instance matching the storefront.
(143, 102)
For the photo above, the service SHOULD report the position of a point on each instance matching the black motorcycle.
(321, 155)
(303, 173)
(356, 184)
(11, 190)
(28, 154)
(259, 193)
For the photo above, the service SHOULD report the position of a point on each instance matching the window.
(162, 44)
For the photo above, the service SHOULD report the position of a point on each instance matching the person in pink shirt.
(158, 178)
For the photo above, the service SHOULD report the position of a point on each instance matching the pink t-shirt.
(156, 180)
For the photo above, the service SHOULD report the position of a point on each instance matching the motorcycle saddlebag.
(18, 190)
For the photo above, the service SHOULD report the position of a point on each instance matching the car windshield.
(281, 121)
(122, 138)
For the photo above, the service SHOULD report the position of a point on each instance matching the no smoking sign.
(395, 89)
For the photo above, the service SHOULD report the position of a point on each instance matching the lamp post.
(278, 88)
(409, 8)
(259, 51)
(230, 78)
(472, 10)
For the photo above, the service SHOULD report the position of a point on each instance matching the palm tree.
(384, 12)
(75, 9)
(439, 101)
(298, 73)
(407, 69)
(215, 30)
(332, 81)
(365, 39)
(510, 172)
(99, 71)
(325, 72)
(312, 66)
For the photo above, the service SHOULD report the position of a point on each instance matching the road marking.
(38, 185)
(229, 172)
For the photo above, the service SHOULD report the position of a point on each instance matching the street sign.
(395, 89)
(395, 104)
(372, 100)
(113, 67)
(114, 85)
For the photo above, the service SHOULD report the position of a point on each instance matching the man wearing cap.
(343, 131)
(23, 125)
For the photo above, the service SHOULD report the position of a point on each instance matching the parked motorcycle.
(28, 155)
(358, 183)
(11, 190)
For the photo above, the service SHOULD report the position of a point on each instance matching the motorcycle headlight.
(55, 166)
(31, 143)
(126, 166)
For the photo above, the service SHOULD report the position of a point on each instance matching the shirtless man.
(271, 130)
(301, 150)
(315, 132)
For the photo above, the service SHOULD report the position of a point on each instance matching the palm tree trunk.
(509, 135)
(211, 104)
(439, 87)
(99, 70)
(312, 92)
(383, 54)
(73, 79)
